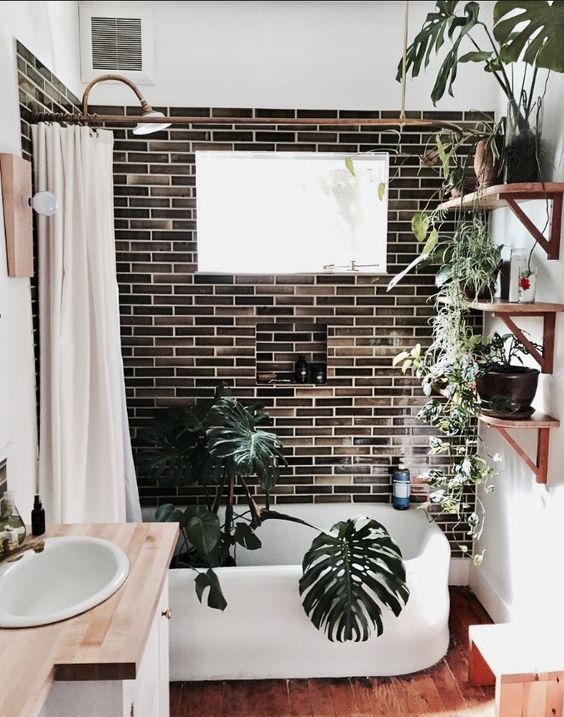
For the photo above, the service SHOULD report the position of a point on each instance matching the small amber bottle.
(37, 517)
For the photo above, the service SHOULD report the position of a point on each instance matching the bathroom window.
(281, 212)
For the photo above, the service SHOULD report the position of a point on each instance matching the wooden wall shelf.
(506, 310)
(539, 422)
(510, 195)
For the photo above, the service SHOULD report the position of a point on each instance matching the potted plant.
(523, 31)
(506, 387)
(222, 447)
(452, 153)
(471, 259)
(467, 257)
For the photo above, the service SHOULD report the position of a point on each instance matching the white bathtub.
(264, 633)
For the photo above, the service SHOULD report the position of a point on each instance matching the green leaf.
(348, 575)
(476, 57)
(203, 531)
(239, 444)
(349, 165)
(444, 274)
(420, 225)
(381, 190)
(400, 357)
(431, 242)
(440, 25)
(164, 513)
(398, 277)
(532, 31)
(209, 580)
(245, 536)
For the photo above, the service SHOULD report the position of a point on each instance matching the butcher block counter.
(107, 643)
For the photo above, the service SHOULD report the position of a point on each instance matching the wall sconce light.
(44, 203)
(18, 202)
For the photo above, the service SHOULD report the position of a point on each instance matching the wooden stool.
(527, 669)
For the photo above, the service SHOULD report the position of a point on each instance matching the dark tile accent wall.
(279, 342)
(39, 91)
(3, 477)
(185, 332)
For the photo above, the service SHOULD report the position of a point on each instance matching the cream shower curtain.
(86, 471)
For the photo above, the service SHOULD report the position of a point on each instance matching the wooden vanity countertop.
(104, 643)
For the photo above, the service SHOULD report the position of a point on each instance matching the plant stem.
(228, 526)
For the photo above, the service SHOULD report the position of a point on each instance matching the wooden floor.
(443, 690)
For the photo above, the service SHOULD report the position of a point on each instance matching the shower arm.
(145, 106)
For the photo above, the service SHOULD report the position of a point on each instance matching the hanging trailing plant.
(448, 370)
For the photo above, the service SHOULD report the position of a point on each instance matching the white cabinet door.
(150, 693)
(146, 696)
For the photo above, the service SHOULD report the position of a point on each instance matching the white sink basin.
(72, 575)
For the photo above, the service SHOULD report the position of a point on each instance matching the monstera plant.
(221, 447)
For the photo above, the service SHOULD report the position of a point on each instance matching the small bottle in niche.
(301, 373)
(319, 373)
(401, 486)
(37, 517)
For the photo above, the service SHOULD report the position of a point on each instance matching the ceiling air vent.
(119, 41)
(117, 44)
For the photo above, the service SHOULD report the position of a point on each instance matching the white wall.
(49, 30)
(332, 55)
(522, 576)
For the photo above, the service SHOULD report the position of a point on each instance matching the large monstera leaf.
(440, 26)
(531, 30)
(238, 442)
(348, 575)
(175, 446)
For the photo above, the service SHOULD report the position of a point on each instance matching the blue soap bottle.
(401, 487)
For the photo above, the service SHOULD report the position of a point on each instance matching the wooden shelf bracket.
(551, 245)
(509, 195)
(542, 424)
(540, 467)
(546, 358)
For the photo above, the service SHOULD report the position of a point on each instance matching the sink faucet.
(9, 556)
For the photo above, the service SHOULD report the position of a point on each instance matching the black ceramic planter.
(517, 386)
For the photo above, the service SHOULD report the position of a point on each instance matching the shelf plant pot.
(521, 152)
(486, 165)
(508, 394)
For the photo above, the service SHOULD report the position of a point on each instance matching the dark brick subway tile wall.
(185, 332)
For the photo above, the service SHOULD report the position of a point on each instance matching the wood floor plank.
(300, 698)
(211, 702)
(268, 698)
(344, 702)
(175, 697)
(321, 699)
(425, 697)
(362, 690)
(441, 691)
(235, 699)
(387, 700)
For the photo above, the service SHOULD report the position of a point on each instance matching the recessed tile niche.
(279, 344)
